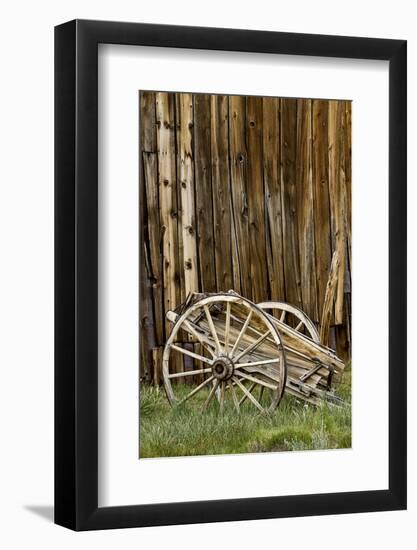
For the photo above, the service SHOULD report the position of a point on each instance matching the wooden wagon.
(224, 346)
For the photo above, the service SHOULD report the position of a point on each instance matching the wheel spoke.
(234, 395)
(199, 337)
(222, 388)
(253, 346)
(261, 393)
(188, 373)
(244, 397)
(257, 363)
(283, 314)
(257, 381)
(211, 393)
(253, 329)
(227, 329)
(248, 394)
(196, 390)
(191, 354)
(241, 333)
(300, 324)
(212, 328)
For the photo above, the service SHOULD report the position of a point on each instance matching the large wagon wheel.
(288, 313)
(242, 355)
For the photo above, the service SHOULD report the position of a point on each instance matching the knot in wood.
(188, 264)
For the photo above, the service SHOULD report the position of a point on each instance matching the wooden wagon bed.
(234, 349)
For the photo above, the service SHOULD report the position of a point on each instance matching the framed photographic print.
(230, 275)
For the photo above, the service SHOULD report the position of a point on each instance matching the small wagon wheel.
(238, 354)
(302, 324)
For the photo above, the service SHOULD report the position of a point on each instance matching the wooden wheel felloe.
(287, 313)
(229, 348)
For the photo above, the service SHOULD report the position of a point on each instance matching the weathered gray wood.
(147, 107)
(256, 200)
(321, 197)
(305, 209)
(157, 365)
(150, 328)
(337, 195)
(153, 234)
(238, 174)
(272, 181)
(221, 191)
(147, 322)
(168, 198)
(289, 204)
(329, 299)
(186, 182)
(203, 192)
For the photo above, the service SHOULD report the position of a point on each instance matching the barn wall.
(249, 193)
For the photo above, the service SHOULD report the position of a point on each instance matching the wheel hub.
(223, 368)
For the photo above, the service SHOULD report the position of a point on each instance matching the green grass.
(293, 426)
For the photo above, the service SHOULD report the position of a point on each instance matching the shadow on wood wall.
(244, 193)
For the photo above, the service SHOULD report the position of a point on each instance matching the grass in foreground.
(293, 426)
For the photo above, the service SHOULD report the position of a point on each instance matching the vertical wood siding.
(247, 193)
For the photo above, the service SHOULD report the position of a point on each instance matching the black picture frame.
(76, 272)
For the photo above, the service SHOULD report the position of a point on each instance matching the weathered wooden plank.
(348, 176)
(345, 342)
(220, 176)
(345, 329)
(157, 365)
(188, 363)
(337, 195)
(321, 198)
(329, 299)
(348, 222)
(147, 122)
(153, 235)
(256, 199)
(168, 199)
(203, 193)
(238, 175)
(289, 203)
(334, 153)
(305, 209)
(147, 320)
(199, 378)
(180, 258)
(147, 325)
(272, 182)
(235, 255)
(342, 342)
(186, 182)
